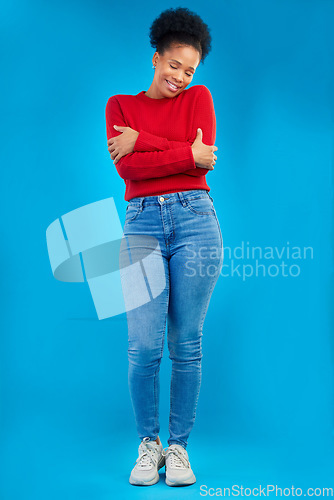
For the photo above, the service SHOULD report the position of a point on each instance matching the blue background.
(265, 413)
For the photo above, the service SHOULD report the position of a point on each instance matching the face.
(174, 70)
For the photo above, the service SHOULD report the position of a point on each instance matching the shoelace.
(148, 455)
(177, 458)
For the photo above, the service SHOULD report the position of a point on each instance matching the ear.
(155, 58)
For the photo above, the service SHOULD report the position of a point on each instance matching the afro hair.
(183, 26)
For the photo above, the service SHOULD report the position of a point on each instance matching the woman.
(162, 144)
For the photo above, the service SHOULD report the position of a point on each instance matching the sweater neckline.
(146, 98)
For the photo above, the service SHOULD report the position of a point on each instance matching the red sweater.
(162, 160)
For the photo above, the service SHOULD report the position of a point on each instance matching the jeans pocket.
(200, 206)
(132, 211)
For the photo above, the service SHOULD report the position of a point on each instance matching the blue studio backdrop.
(265, 413)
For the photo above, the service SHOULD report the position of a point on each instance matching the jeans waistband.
(170, 197)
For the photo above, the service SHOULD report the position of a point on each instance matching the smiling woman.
(162, 143)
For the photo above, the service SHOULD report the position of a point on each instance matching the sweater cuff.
(189, 156)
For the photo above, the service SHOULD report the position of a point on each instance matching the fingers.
(214, 162)
(112, 152)
(116, 155)
(110, 143)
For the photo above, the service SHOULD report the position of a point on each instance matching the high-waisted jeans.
(170, 259)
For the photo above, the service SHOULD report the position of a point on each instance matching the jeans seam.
(199, 388)
(220, 235)
(156, 406)
(172, 219)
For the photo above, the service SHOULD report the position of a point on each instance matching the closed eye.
(174, 67)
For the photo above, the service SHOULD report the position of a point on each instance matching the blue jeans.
(170, 262)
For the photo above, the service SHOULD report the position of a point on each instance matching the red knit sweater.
(162, 160)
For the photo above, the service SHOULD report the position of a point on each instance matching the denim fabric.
(180, 236)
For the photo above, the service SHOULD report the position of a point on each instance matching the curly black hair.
(183, 26)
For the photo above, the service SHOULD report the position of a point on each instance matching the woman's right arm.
(148, 164)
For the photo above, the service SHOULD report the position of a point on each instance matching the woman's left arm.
(204, 118)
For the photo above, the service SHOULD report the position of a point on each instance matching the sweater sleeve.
(147, 164)
(151, 142)
(204, 118)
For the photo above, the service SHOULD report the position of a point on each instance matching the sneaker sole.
(190, 480)
(138, 482)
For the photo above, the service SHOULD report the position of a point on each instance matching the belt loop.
(182, 198)
(141, 201)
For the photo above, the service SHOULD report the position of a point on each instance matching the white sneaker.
(150, 460)
(178, 470)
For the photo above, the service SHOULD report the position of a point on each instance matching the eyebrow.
(178, 62)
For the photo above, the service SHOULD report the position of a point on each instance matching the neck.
(153, 93)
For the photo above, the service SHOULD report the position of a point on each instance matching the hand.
(204, 156)
(122, 144)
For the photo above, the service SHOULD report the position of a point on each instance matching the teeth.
(171, 84)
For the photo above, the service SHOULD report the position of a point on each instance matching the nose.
(177, 78)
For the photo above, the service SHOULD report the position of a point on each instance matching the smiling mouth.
(172, 86)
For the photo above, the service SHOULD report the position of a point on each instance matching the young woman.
(162, 144)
